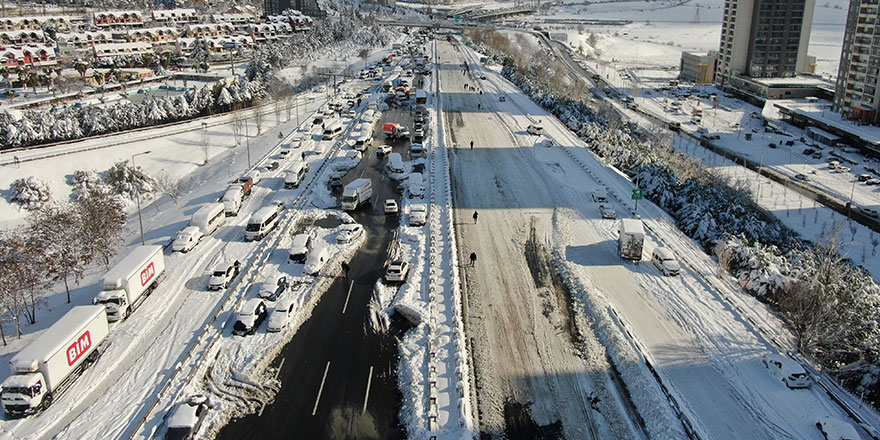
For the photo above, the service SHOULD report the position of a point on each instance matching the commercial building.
(698, 67)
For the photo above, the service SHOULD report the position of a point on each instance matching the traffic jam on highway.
(268, 251)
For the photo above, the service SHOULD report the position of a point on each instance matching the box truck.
(394, 130)
(49, 363)
(356, 193)
(631, 238)
(127, 283)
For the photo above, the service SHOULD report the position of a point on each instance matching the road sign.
(637, 194)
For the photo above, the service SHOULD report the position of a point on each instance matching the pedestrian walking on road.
(473, 258)
(481, 93)
(475, 217)
(472, 145)
(345, 269)
(479, 106)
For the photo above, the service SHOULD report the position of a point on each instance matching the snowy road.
(706, 353)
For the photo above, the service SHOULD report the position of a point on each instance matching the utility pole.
(137, 192)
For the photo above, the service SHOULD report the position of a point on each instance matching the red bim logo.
(147, 274)
(79, 348)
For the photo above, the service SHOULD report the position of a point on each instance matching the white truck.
(49, 363)
(127, 283)
(356, 193)
(631, 239)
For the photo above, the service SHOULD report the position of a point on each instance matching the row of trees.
(831, 306)
(58, 242)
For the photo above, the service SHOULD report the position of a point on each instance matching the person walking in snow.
(475, 217)
(472, 145)
(473, 258)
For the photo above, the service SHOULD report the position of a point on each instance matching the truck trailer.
(47, 365)
(631, 239)
(127, 283)
(356, 193)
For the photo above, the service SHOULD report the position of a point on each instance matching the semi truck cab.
(24, 394)
(114, 301)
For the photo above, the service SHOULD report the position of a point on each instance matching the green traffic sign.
(637, 194)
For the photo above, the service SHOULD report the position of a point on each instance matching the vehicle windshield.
(219, 273)
(116, 301)
(178, 433)
(19, 390)
(253, 227)
(349, 199)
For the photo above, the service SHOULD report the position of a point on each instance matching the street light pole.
(137, 192)
(247, 139)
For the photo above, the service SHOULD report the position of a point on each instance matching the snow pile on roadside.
(643, 389)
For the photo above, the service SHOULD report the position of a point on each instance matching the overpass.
(501, 13)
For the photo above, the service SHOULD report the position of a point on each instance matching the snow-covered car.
(351, 114)
(665, 261)
(835, 429)
(791, 372)
(349, 233)
(187, 418)
(599, 196)
(535, 129)
(416, 191)
(607, 212)
(273, 288)
(186, 239)
(280, 316)
(418, 214)
(383, 150)
(502, 98)
(249, 318)
(274, 165)
(870, 212)
(872, 182)
(803, 177)
(232, 199)
(254, 174)
(223, 274)
(482, 76)
(397, 272)
(391, 207)
(316, 260)
(300, 247)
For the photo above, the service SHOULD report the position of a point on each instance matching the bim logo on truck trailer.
(78, 348)
(148, 274)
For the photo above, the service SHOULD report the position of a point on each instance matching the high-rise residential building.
(857, 94)
(764, 38)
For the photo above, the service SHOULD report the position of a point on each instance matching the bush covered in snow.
(85, 182)
(30, 193)
(831, 307)
(125, 180)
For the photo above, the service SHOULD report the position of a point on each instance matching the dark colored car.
(187, 418)
(251, 315)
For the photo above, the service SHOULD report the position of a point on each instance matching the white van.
(232, 199)
(332, 130)
(262, 222)
(209, 217)
(363, 141)
(295, 173)
(792, 373)
(663, 260)
(395, 163)
(368, 116)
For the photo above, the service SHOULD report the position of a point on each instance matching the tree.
(364, 53)
(57, 230)
(169, 186)
(236, 123)
(30, 193)
(21, 275)
(258, 116)
(100, 218)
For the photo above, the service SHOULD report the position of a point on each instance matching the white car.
(416, 190)
(351, 114)
(397, 272)
(383, 150)
(349, 233)
(665, 261)
(599, 196)
(418, 215)
(792, 373)
(835, 429)
(300, 247)
(187, 418)
(535, 129)
(223, 274)
(280, 316)
(391, 207)
(607, 212)
(273, 288)
(186, 239)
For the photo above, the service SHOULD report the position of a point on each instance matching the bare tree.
(101, 217)
(236, 122)
(56, 228)
(258, 116)
(21, 276)
(364, 53)
(169, 186)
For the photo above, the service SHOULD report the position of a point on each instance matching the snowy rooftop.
(821, 111)
(801, 81)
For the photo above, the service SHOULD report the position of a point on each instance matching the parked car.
(397, 271)
(223, 275)
(418, 214)
(599, 196)
(351, 114)
(772, 145)
(803, 177)
(299, 249)
(349, 233)
(869, 212)
(865, 177)
(273, 288)
(274, 165)
(607, 212)
(316, 260)
(535, 129)
(279, 319)
(391, 207)
(665, 261)
(872, 182)
(383, 150)
(835, 429)
(250, 316)
(186, 239)
(416, 191)
(791, 372)
(187, 418)
(502, 98)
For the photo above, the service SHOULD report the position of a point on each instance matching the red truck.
(246, 183)
(395, 130)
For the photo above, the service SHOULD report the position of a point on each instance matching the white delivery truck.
(209, 217)
(631, 239)
(127, 283)
(356, 193)
(49, 363)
